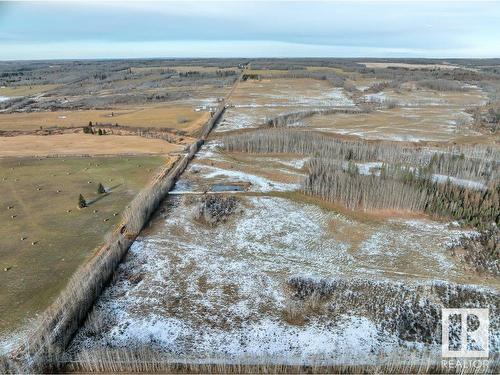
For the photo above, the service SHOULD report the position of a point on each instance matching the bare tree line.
(474, 162)
(147, 360)
(292, 117)
(403, 188)
(441, 85)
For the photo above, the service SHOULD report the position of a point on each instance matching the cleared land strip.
(60, 322)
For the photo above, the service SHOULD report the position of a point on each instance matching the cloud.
(363, 28)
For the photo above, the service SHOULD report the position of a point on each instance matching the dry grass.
(325, 69)
(427, 124)
(280, 91)
(25, 90)
(83, 144)
(267, 72)
(160, 116)
(63, 240)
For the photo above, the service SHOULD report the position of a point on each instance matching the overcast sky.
(50, 30)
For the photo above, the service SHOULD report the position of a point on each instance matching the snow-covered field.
(259, 102)
(199, 291)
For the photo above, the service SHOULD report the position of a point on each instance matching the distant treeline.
(331, 77)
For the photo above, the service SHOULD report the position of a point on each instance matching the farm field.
(46, 162)
(83, 144)
(44, 236)
(289, 276)
(404, 124)
(25, 90)
(288, 92)
(254, 102)
(178, 117)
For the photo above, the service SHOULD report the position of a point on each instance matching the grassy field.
(44, 237)
(25, 90)
(431, 123)
(83, 144)
(160, 116)
(285, 91)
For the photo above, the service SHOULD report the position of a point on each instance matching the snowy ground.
(260, 102)
(221, 292)
(262, 174)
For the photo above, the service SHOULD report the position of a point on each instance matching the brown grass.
(64, 240)
(160, 116)
(25, 90)
(83, 144)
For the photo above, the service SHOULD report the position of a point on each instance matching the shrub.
(213, 209)
(482, 252)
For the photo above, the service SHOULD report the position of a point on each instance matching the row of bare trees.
(471, 162)
(286, 119)
(403, 188)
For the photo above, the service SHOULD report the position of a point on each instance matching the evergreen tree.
(82, 203)
(101, 189)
